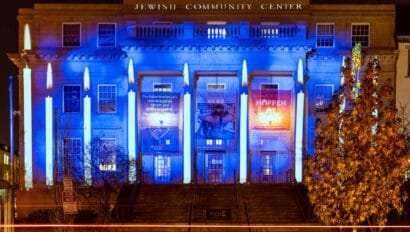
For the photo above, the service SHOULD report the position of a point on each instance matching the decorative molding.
(216, 48)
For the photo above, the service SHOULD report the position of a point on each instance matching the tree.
(360, 159)
(109, 169)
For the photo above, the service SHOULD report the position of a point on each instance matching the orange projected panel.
(272, 109)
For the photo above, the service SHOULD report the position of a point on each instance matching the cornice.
(215, 48)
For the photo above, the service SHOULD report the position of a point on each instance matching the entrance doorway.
(215, 168)
(162, 165)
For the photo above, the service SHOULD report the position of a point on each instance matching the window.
(215, 168)
(323, 97)
(107, 98)
(325, 35)
(216, 86)
(360, 34)
(72, 151)
(6, 159)
(267, 165)
(106, 35)
(162, 169)
(71, 102)
(71, 34)
(408, 62)
(162, 88)
(107, 154)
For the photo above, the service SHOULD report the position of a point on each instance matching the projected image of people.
(217, 122)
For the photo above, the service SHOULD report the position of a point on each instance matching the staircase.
(213, 204)
(217, 204)
(122, 211)
(272, 203)
(162, 204)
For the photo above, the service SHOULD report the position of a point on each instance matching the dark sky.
(8, 43)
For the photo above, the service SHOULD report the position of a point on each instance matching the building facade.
(6, 192)
(203, 92)
(403, 76)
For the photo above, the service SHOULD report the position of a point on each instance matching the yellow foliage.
(360, 177)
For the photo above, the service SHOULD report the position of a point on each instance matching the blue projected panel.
(161, 115)
(216, 120)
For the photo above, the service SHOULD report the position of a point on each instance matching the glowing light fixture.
(342, 77)
(187, 127)
(186, 74)
(87, 129)
(28, 148)
(86, 79)
(49, 128)
(299, 136)
(27, 37)
(49, 76)
(300, 72)
(132, 140)
(131, 78)
(271, 117)
(244, 73)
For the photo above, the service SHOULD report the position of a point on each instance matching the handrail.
(246, 214)
(191, 206)
(235, 186)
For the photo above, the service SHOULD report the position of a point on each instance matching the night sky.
(8, 33)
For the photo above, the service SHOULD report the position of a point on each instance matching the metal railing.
(191, 206)
(217, 31)
(210, 31)
(273, 31)
(159, 31)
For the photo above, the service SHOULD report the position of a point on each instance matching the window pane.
(408, 62)
(360, 34)
(107, 98)
(71, 98)
(323, 97)
(71, 35)
(325, 34)
(107, 154)
(106, 35)
(72, 152)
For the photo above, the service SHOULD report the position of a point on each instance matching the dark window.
(162, 169)
(106, 35)
(71, 97)
(323, 97)
(325, 34)
(360, 34)
(71, 34)
(215, 168)
(162, 87)
(408, 62)
(72, 152)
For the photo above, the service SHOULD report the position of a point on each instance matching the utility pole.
(13, 184)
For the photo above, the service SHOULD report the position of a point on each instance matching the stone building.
(206, 92)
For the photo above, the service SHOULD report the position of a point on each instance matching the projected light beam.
(243, 130)
(132, 157)
(299, 136)
(27, 37)
(49, 128)
(87, 129)
(28, 149)
(187, 128)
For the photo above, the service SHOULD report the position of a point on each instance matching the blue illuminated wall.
(215, 54)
